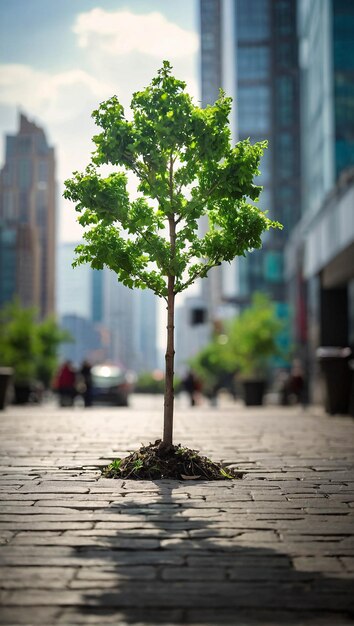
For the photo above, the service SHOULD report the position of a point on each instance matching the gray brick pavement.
(273, 548)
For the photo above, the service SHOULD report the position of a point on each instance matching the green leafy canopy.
(186, 168)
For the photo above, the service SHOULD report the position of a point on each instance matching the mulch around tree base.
(155, 462)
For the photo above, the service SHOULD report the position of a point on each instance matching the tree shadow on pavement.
(164, 563)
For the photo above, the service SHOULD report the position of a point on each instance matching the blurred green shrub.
(246, 347)
(29, 346)
(153, 382)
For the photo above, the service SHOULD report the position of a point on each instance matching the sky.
(60, 59)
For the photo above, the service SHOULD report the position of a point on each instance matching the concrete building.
(130, 317)
(28, 219)
(146, 304)
(87, 341)
(74, 285)
(193, 331)
(320, 255)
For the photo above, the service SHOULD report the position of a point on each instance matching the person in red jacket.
(65, 384)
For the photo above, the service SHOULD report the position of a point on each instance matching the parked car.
(110, 385)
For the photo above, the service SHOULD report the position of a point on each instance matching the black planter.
(254, 392)
(22, 394)
(337, 376)
(6, 374)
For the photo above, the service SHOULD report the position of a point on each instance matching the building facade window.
(284, 17)
(284, 95)
(8, 206)
(253, 20)
(43, 171)
(253, 62)
(24, 173)
(7, 264)
(254, 108)
(273, 266)
(24, 145)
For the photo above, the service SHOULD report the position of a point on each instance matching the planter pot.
(6, 374)
(337, 376)
(22, 394)
(254, 392)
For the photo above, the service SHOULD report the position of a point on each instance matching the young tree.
(186, 168)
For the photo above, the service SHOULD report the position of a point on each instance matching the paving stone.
(6, 536)
(126, 543)
(273, 617)
(29, 525)
(38, 577)
(348, 563)
(137, 532)
(130, 572)
(193, 573)
(73, 503)
(37, 616)
(55, 487)
(137, 616)
(318, 564)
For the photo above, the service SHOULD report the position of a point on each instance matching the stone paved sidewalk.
(273, 548)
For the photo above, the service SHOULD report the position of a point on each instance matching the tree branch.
(204, 270)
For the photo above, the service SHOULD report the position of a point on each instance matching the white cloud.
(61, 103)
(56, 96)
(121, 53)
(123, 32)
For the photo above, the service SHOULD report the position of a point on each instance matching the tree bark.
(170, 350)
(169, 367)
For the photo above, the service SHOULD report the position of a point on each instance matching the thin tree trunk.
(170, 351)
(169, 367)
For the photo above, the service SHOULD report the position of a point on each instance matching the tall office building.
(249, 48)
(145, 304)
(320, 255)
(80, 308)
(27, 219)
(130, 317)
(74, 284)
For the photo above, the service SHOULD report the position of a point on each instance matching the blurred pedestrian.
(192, 386)
(297, 382)
(86, 377)
(66, 384)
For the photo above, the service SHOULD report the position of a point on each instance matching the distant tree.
(187, 169)
(19, 344)
(214, 364)
(253, 337)
(246, 346)
(29, 346)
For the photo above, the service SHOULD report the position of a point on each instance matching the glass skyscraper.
(259, 69)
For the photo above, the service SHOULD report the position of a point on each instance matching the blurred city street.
(275, 547)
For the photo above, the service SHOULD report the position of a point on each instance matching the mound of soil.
(154, 462)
